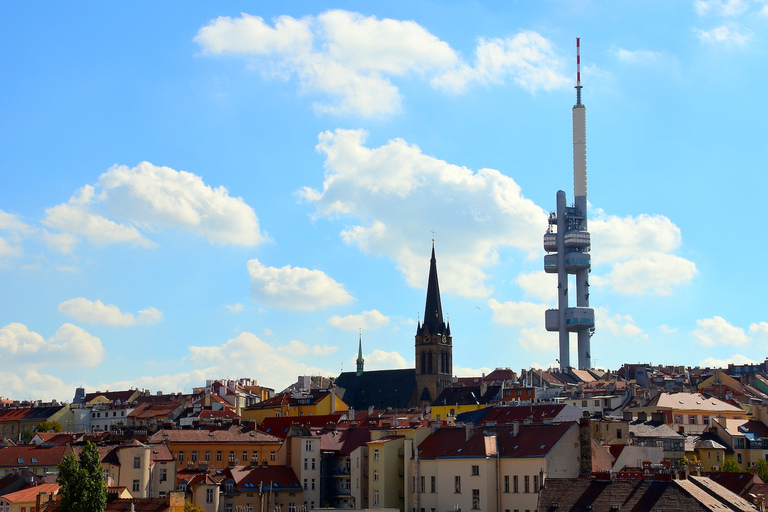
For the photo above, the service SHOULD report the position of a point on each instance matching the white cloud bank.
(295, 287)
(352, 58)
(150, 198)
(397, 193)
(96, 312)
(367, 320)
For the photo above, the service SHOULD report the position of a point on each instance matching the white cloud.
(717, 331)
(247, 354)
(725, 34)
(148, 197)
(381, 360)
(638, 248)
(617, 325)
(760, 330)
(70, 346)
(234, 308)
(461, 371)
(636, 56)
(725, 8)
(538, 284)
(367, 320)
(96, 312)
(9, 251)
(517, 313)
(667, 329)
(394, 191)
(12, 222)
(29, 384)
(62, 242)
(539, 340)
(351, 58)
(295, 287)
(324, 350)
(723, 363)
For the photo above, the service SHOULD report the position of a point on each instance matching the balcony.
(579, 239)
(550, 242)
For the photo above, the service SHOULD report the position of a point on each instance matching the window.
(313, 463)
(583, 403)
(423, 484)
(618, 433)
(717, 456)
(457, 484)
(193, 458)
(231, 456)
(375, 475)
(375, 497)
(135, 486)
(376, 454)
(291, 507)
(245, 456)
(305, 484)
(249, 507)
(229, 507)
(678, 418)
(313, 484)
(273, 458)
(475, 470)
(163, 475)
(162, 494)
(209, 495)
(535, 483)
(692, 419)
(738, 458)
(527, 484)
(506, 483)
(514, 484)
(597, 403)
(207, 455)
(306, 463)
(432, 484)
(218, 455)
(181, 456)
(475, 498)
(308, 446)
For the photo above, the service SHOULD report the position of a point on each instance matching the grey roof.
(379, 389)
(651, 429)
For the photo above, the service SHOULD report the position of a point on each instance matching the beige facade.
(301, 452)
(386, 473)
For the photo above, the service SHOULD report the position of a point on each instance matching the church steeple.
(434, 345)
(433, 309)
(360, 360)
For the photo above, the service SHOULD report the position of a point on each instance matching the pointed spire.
(360, 360)
(433, 310)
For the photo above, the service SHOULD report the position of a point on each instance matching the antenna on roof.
(578, 72)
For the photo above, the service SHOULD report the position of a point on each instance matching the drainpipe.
(416, 475)
(498, 474)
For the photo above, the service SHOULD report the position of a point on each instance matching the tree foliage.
(762, 469)
(731, 466)
(191, 507)
(27, 435)
(47, 426)
(82, 482)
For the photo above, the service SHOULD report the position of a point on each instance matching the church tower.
(434, 345)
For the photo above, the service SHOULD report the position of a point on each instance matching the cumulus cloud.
(367, 320)
(382, 360)
(639, 250)
(234, 308)
(539, 340)
(295, 287)
(725, 34)
(70, 346)
(96, 312)
(538, 284)
(723, 363)
(517, 313)
(352, 58)
(394, 191)
(636, 56)
(760, 330)
(9, 251)
(717, 331)
(725, 8)
(247, 354)
(150, 198)
(462, 371)
(617, 325)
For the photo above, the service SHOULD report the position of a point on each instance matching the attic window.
(34, 460)
(542, 447)
(20, 461)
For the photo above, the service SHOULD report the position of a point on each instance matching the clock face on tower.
(425, 339)
(445, 338)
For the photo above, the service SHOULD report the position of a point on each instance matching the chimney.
(515, 428)
(469, 430)
(627, 416)
(642, 416)
(657, 417)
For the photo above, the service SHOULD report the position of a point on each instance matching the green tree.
(191, 507)
(762, 469)
(27, 435)
(731, 466)
(82, 482)
(47, 426)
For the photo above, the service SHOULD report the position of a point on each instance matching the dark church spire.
(433, 310)
(360, 360)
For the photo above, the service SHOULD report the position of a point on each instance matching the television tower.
(567, 243)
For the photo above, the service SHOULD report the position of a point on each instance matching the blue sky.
(198, 190)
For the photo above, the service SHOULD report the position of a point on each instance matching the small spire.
(360, 361)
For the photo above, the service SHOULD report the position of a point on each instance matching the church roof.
(380, 388)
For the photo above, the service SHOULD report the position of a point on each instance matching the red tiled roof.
(54, 437)
(31, 456)
(280, 426)
(248, 478)
(234, 434)
(29, 494)
(154, 409)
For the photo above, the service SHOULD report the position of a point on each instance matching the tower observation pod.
(567, 243)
